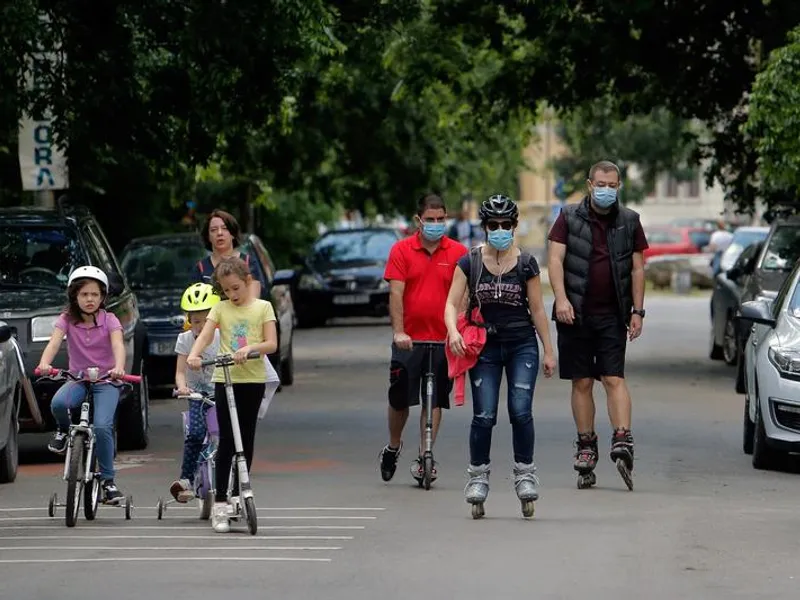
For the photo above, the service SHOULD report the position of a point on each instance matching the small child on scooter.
(246, 323)
(197, 301)
(94, 339)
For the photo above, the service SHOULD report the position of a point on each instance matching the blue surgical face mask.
(433, 232)
(500, 239)
(604, 197)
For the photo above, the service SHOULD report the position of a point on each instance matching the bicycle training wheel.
(75, 478)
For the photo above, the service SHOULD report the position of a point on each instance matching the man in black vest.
(596, 270)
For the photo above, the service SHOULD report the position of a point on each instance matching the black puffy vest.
(621, 235)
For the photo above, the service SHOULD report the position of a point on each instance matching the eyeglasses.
(495, 225)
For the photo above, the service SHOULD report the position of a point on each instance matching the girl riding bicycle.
(196, 302)
(94, 339)
(245, 323)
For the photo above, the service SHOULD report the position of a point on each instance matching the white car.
(772, 375)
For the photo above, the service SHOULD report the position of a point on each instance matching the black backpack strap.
(475, 268)
(524, 259)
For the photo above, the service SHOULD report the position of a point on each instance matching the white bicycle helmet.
(88, 272)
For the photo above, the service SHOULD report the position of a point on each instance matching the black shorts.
(406, 384)
(595, 348)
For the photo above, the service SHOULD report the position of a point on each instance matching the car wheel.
(287, 366)
(730, 347)
(133, 424)
(764, 457)
(748, 428)
(715, 352)
(740, 388)
(9, 456)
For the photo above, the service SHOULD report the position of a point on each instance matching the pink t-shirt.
(89, 345)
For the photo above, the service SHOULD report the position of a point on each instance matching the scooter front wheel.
(252, 517)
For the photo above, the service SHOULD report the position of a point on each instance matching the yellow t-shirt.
(241, 326)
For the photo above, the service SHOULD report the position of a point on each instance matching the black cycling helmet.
(498, 206)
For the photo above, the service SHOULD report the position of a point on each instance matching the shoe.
(388, 457)
(182, 491)
(58, 443)
(418, 471)
(111, 493)
(219, 518)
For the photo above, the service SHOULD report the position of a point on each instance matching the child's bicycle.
(80, 464)
(205, 471)
(242, 505)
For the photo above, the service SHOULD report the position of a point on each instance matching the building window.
(672, 187)
(694, 187)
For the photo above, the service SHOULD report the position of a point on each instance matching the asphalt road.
(701, 522)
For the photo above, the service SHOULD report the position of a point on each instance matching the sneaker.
(182, 491)
(418, 471)
(111, 493)
(388, 458)
(58, 443)
(219, 518)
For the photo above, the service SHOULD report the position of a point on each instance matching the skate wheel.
(625, 473)
(160, 508)
(477, 511)
(528, 508)
(51, 506)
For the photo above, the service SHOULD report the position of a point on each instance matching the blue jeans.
(195, 436)
(106, 397)
(521, 362)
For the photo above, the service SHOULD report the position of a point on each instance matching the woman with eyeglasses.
(504, 283)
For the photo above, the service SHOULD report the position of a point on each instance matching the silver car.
(772, 375)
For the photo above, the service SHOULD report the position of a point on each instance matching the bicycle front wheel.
(75, 478)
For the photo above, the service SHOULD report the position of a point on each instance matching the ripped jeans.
(521, 361)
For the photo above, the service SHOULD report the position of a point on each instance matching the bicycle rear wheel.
(75, 478)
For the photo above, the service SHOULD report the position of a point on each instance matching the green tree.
(654, 143)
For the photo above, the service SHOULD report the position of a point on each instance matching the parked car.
(673, 240)
(725, 301)
(771, 426)
(742, 238)
(659, 269)
(763, 277)
(159, 270)
(709, 225)
(343, 276)
(11, 399)
(39, 249)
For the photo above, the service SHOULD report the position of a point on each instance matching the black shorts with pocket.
(406, 383)
(594, 348)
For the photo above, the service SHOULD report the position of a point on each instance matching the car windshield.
(783, 249)
(663, 236)
(352, 248)
(161, 264)
(38, 256)
(741, 240)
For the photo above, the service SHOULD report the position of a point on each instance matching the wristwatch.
(636, 311)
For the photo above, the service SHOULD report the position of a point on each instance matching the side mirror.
(733, 273)
(757, 311)
(5, 333)
(283, 277)
(115, 284)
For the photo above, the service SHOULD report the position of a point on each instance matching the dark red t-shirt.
(600, 299)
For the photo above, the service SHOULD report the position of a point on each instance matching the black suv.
(39, 249)
(761, 277)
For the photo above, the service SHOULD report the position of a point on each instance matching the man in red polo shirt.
(419, 271)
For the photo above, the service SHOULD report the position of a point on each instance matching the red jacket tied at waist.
(474, 340)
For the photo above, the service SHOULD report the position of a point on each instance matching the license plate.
(162, 348)
(351, 299)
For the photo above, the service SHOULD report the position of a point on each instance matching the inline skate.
(586, 459)
(622, 454)
(526, 485)
(477, 488)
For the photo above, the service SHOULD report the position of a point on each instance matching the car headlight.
(383, 285)
(42, 328)
(786, 360)
(309, 282)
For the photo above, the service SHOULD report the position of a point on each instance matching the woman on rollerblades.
(504, 283)
(197, 301)
(246, 324)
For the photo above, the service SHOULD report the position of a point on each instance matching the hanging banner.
(43, 165)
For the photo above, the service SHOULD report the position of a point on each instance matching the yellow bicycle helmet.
(199, 296)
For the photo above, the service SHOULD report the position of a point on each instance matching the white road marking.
(166, 558)
(171, 508)
(294, 518)
(217, 537)
(159, 548)
(172, 527)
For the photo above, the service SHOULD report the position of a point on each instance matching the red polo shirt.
(427, 277)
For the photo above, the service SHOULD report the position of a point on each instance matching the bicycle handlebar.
(56, 374)
(226, 360)
(194, 396)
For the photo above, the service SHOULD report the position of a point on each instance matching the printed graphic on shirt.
(507, 292)
(239, 335)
